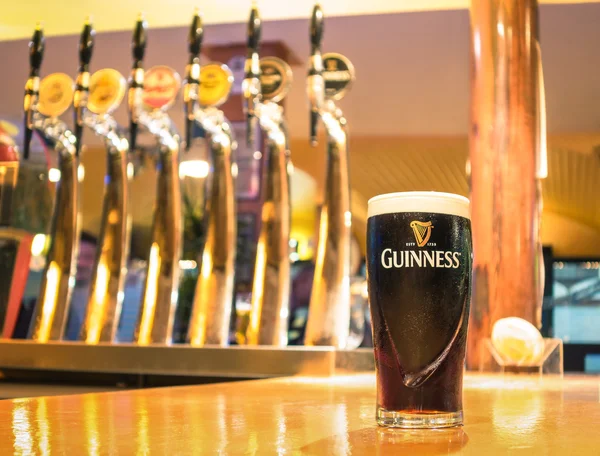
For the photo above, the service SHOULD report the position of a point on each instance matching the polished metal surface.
(110, 267)
(507, 160)
(226, 362)
(213, 299)
(271, 286)
(329, 310)
(159, 298)
(52, 307)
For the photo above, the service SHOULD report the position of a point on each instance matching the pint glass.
(419, 256)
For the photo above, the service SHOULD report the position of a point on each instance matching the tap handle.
(251, 84)
(316, 29)
(192, 77)
(36, 56)
(82, 84)
(136, 82)
(316, 84)
(254, 31)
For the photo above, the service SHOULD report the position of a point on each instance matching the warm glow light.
(94, 320)
(80, 173)
(150, 295)
(197, 169)
(257, 155)
(257, 291)
(234, 170)
(54, 175)
(186, 265)
(130, 170)
(49, 303)
(38, 244)
(348, 219)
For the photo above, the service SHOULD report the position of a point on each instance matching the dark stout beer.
(419, 272)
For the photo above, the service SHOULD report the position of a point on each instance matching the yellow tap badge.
(56, 94)
(216, 80)
(107, 89)
(161, 86)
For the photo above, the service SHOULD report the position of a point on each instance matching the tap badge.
(56, 94)
(107, 89)
(216, 80)
(275, 78)
(161, 86)
(422, 231)
(338, 73)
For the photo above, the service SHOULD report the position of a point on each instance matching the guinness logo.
(275, 78)
(422, 231)
(338, 75)
(216, 80)
(161, 86)
(107, 88)
(56, 94)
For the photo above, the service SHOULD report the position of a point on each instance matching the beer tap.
(44, 102)
(271, 287)
(205, 89)
(151, 93)
(329, 78)
(94, 111)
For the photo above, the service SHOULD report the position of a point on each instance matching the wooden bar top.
(303, 416)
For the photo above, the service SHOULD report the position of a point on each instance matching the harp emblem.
(422, 231)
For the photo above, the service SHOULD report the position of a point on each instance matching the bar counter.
(303, 416)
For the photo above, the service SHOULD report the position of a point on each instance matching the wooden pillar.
(505, 160)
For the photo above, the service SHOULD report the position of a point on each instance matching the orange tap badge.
(107, 89)
(161, 86)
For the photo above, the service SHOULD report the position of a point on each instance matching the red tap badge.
(161, 86)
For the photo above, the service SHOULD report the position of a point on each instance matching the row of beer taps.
(94, 99)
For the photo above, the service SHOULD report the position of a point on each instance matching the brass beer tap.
(329, 310)
(271, 287)
(151, 93)
(44, 102)
(204, 90)
(93, 109)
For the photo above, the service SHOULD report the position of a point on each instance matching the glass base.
(415, 420)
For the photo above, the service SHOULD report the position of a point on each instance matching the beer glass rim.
(432, 202)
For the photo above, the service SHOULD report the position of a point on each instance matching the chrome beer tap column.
(106, 91)
(44, 102)
(150, 95)
(271, 287)
(204, 90)
(329, 78)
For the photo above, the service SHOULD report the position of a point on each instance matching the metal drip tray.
(175, 360)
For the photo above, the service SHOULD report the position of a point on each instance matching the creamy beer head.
(436, 202)
(419, 260)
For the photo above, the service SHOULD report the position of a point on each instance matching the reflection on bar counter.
(44, 102)
(205, 89)
(271, 286)
(150, 95)
(329, 78)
